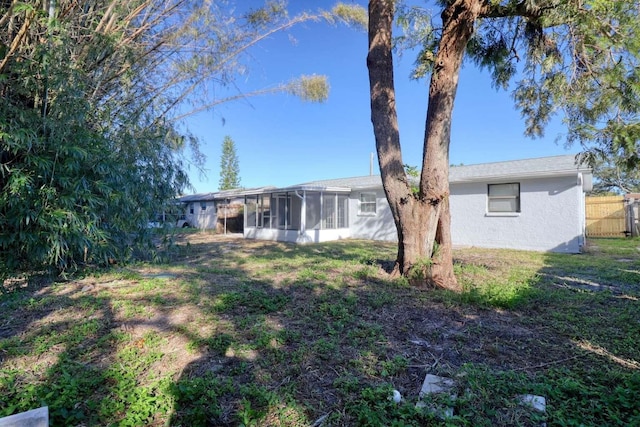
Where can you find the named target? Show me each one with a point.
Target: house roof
(199, 197)
(527, 168)
(353, 183)
(564, 165)
(221, 195)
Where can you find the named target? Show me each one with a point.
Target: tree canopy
(578, 59)
(612, 177)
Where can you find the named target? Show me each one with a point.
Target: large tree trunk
(422, 219)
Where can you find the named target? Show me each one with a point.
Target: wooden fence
(606, 216)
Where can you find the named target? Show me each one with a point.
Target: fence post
(628, 217)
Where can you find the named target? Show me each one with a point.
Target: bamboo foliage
(92, 94)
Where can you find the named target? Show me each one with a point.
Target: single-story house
(533, 204)
(199, 210)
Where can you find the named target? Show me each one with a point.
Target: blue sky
(281, 140)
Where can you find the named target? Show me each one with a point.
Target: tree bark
(422, 220)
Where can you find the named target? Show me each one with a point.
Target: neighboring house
(199, 210)
(534, 204)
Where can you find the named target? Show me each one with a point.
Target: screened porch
(297, 215)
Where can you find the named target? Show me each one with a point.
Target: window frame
(373, 203)
(203, 206)
(517, 198)
(191, 208)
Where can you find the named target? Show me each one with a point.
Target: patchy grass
(233, 332)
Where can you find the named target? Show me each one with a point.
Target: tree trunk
(423, 219)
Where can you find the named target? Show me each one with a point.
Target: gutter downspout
(582, 228)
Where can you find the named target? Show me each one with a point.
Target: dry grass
(235, 332)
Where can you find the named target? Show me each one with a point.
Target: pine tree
(229, 166)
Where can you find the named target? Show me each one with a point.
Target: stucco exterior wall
(551, 217)
(367, 226)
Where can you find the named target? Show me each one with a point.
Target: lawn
(234, 332)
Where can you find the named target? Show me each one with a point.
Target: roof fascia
(530, 175)
(317, 188)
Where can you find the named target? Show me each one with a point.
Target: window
(190, 208)
(203, 206)
(503, 198)
(367, 205)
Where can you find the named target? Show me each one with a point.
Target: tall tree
(229, 166)
(91, 97)
(613, 177)
(579, 57)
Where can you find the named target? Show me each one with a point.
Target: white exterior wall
(372, 227)
(202, 218)
(294, 236)
(551, 217)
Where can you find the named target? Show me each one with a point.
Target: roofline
(206, 197)
(303, 187)
(221, 195)
(579, 168)
(367, 187)
(239, 193)
(518, 160)
(546, 174)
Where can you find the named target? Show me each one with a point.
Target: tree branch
(18, 39)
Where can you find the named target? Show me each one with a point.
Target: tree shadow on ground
(45, 326)
(335, 336)
(265, 333)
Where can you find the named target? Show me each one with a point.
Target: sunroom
(298, 214)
